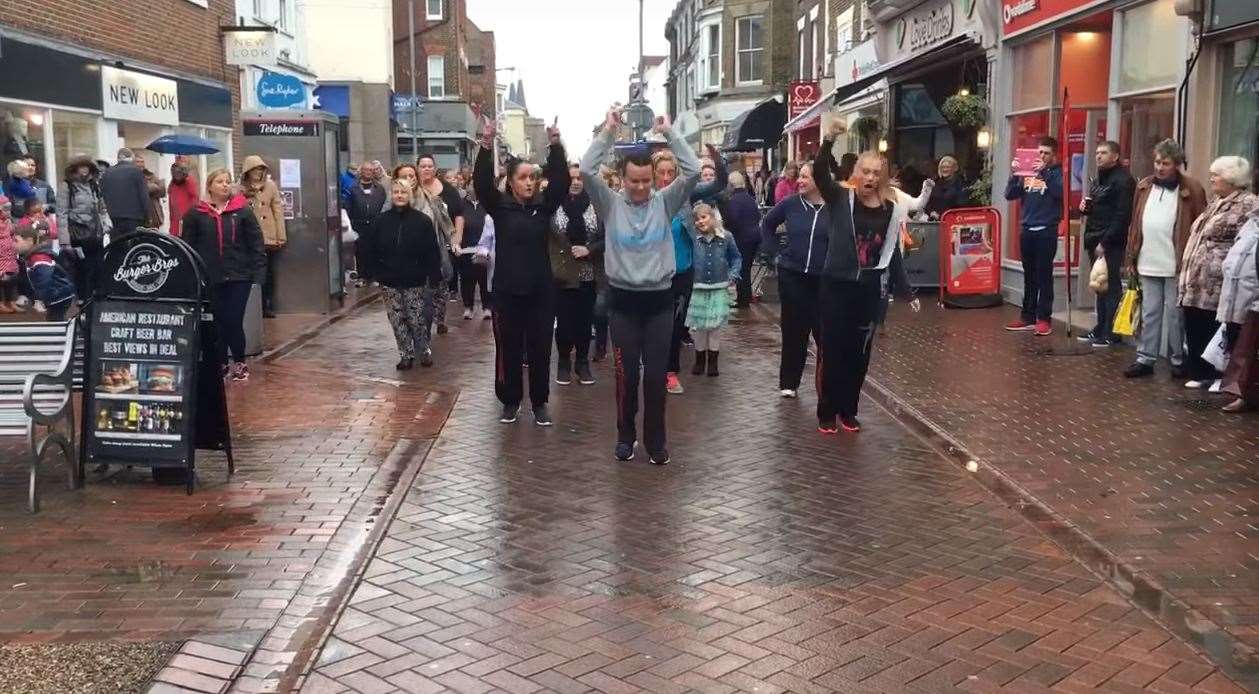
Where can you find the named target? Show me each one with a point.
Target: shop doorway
(137, 136)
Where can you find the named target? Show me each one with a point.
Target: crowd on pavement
(653, 251)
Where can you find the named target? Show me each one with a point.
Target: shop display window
(73, 134)
(1033, 82)
(1148, 60)
(1144, 121)
(221, 159)
(1239, 100)
(21, 135)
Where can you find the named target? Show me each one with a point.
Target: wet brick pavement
(767, 558)
(126, 559)
(1152, 472)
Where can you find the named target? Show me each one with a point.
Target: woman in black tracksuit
(473, 275)
(864, 237)
(524, 291)
(223, 230)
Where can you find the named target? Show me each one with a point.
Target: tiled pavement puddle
(766, 558)
(1153, 472)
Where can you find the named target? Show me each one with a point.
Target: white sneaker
(1196, 385)
(467, 314)
(1215, 387)
(787, 393)
(486, 314)
(40, 308)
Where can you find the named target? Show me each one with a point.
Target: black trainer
(404, 364)
(426, 358)
(584, 376)
(849, 424)
(510, 413)
(661, 458)
(1139, 370)
(541, 416)
(625, 450)
(563, 372)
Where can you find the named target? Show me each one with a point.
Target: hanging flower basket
(965, 110)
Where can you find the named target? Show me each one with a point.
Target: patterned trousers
(437, 300)
(410, 315)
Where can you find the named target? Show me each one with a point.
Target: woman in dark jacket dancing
(400, 252)
(524, 291)
(223, 230)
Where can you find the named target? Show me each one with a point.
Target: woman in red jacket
(223, 230)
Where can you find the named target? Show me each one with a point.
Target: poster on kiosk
(970, 258)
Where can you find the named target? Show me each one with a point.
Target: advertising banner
(970, 260)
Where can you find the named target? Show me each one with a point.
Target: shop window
(73, 134)
(1143, 122)
(433, 10)
(1031, 62)
(1239, 100)
(750, 45)
(1084, 68)
(1149, 59)
(21, 136)
(223, 158)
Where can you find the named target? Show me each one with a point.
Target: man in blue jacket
(1040, 211)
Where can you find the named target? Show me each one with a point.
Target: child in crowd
(50, 283)
(717, 265)
(8, 259)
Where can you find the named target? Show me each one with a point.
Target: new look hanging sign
(136, 96)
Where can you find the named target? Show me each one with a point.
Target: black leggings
(849, 311)
(8, 290)
(574, 312)
(472, 276)
(230, 299)
(683, 285)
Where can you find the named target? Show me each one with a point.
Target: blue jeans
(1038, 248)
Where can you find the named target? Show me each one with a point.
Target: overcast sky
(575, 56)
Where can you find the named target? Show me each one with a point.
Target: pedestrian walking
(524, 291)
(1040, 211)
(864, 236)
(401, 253)
(264, 197)
(640, 264)
(86, 221)
(742, 219)
(1163, 211)
(577, 226)
(126, 194)
(1108, 206)
(806, 222)
(1201, 280)
(434, 187)
(717, 265)
(224, 231)
(182, 194)
(1239, 307)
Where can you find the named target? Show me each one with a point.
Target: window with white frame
(750, 48)
(282, 15)
(437, 77)
(433, 9)
(813, 50)
(800, 51)
(843, 31)
(710, 58)
(260, 10)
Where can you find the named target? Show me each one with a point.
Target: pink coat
(784, 189)
(8, 249)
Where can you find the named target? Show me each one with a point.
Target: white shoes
(787, 393)
(1196, 385)
(1215, 387)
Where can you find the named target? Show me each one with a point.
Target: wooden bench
(41, 365)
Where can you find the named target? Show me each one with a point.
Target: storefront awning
(955, 47)
(810, 116)
(758, 128)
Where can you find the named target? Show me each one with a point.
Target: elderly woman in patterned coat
(1202, 272)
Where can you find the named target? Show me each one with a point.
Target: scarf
(575, 211)
(1170, 184)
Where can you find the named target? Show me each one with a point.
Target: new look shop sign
(280, 91)
(136, 96)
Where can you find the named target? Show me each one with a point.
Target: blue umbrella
(182, 144)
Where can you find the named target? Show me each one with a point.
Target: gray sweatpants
(1159, 312)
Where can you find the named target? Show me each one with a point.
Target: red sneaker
(1044, 328)
(672, 384)
(1019, 326)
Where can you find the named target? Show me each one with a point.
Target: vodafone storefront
(1121, 63)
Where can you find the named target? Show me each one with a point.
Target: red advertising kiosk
(970, 258)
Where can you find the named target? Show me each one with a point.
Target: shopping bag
(1128, 316)
(1099, 276)
(1216, 353)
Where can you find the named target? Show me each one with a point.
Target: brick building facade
(60, 58)
(454, 78)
